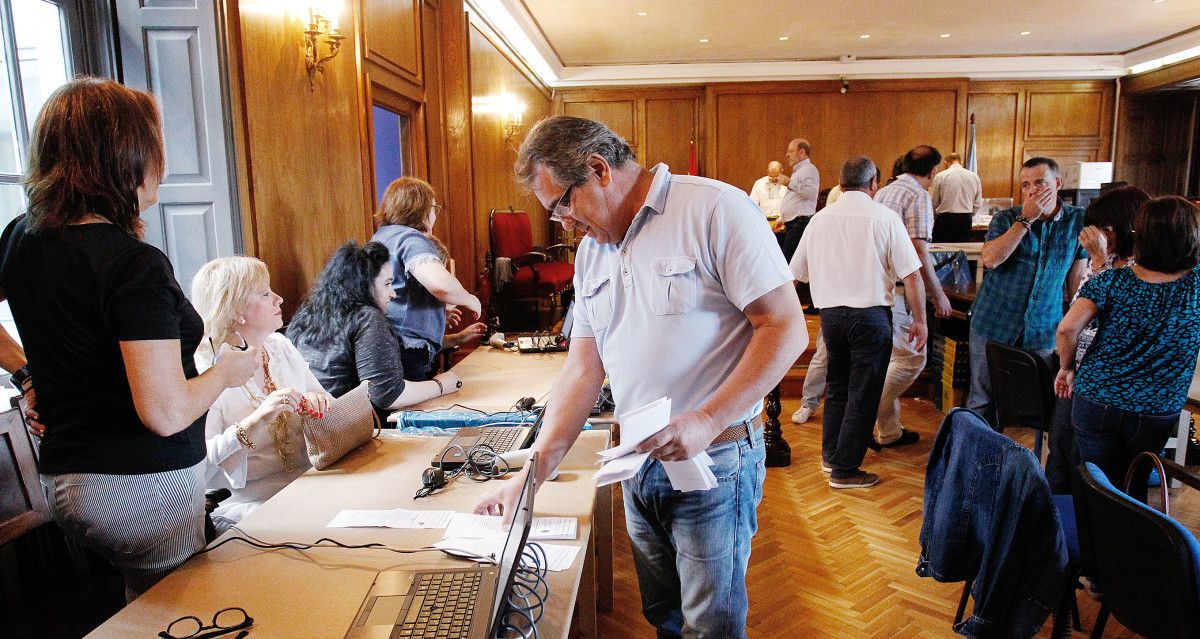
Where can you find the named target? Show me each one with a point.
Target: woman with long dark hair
(343, 334)
(423, 286)
(1133, 380)
(110, 336)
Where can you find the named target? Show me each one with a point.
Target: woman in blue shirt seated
(424, 288)
(1133, 381)
(342, 333)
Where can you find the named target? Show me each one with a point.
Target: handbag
(350, 423)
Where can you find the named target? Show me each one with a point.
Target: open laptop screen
(514, 545)
(568, 321)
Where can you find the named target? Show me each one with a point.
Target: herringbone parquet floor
(834, 564)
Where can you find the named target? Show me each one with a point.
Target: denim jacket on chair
(988, 516)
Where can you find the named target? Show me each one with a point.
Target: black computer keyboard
(500, 439)
(443, 606)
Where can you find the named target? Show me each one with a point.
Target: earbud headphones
(433, 478)
(525, 403)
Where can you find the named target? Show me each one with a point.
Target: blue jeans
(691, 549)
(859, 343)
(418, 364)
(1110, 437)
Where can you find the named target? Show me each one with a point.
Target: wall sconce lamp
(845, 84)
(510, 110)
(322, 26)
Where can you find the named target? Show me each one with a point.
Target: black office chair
(1145, 563)
(1022, 390)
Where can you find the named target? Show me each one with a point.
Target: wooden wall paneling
(1064, 114)
(493, 73)
(671, 124)
(996, 134)
(459, 196)
(1157, 132)
(392, 36)
(302, 148)
(753, 123)
(620, 115)
(433, 118)
(1163, 77)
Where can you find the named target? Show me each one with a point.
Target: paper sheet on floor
(398, 518)
(468, 526)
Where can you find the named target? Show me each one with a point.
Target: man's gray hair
(563, 143)
(858, 172)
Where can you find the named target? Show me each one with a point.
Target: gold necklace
(278, 427)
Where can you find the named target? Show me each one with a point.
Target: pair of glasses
(224, 622)
(437, 208)
(561, 207)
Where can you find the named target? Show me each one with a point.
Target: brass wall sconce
(322, 27)
(511, 122)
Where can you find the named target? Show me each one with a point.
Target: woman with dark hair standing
(1107, 236)
(110, 336)
(1133, 381)
(343, 334)
(423, 285)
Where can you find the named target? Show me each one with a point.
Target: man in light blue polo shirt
(680, 293)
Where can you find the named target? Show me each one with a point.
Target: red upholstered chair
(523, 272)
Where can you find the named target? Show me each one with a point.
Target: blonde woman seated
(344, 335)
(254, 432)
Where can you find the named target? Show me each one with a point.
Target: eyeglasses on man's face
(561, 207)
(223, 622)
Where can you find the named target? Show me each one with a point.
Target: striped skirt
(146, 525)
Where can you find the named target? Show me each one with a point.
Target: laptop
(546, 343)
(442, 602)
(500, 439)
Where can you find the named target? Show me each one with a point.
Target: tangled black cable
(527, 599)
(324, 542)
(481, 463)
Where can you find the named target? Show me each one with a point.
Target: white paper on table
(397, 518)
(621, 468)
(559, 557)
(479, 549)
(639, 425)
(691, 474)
(468, 526)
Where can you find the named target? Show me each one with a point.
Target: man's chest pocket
(676, 285)
(596, 297)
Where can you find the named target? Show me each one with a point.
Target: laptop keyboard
(442, 607)
(499, 438)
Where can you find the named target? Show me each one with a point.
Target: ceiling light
(865, 36)
(642, 13)
(1165, 60)
(783, 38)
(703, 40)
(945, 35)
(1026, 32)
(1159, 1)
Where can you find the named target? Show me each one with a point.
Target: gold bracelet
(242, 436)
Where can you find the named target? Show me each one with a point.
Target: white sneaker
(804, 414)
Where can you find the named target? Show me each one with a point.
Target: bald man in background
(769, 189)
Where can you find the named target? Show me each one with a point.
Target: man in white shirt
(769, 189)
(680, 293)
(956, 194)
(800, 201)
(852, 256)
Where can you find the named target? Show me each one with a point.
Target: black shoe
(906, 437)
(873, 445)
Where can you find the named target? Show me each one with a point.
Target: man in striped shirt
(908, 196)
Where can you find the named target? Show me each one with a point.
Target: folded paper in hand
(623, 462)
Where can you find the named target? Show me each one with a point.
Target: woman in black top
(343, 334)
(110, 336)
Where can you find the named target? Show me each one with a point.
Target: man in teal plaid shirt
(1031, 252)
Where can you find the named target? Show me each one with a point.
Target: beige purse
(350, 423)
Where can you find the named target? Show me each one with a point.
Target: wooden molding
(1162, 77)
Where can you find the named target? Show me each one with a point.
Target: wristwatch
(1027, 223)
(21, 379)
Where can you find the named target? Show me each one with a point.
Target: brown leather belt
(735, 433)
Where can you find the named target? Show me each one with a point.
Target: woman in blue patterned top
(1133, 381)
(424, 287)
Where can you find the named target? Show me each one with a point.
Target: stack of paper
(624, 461)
